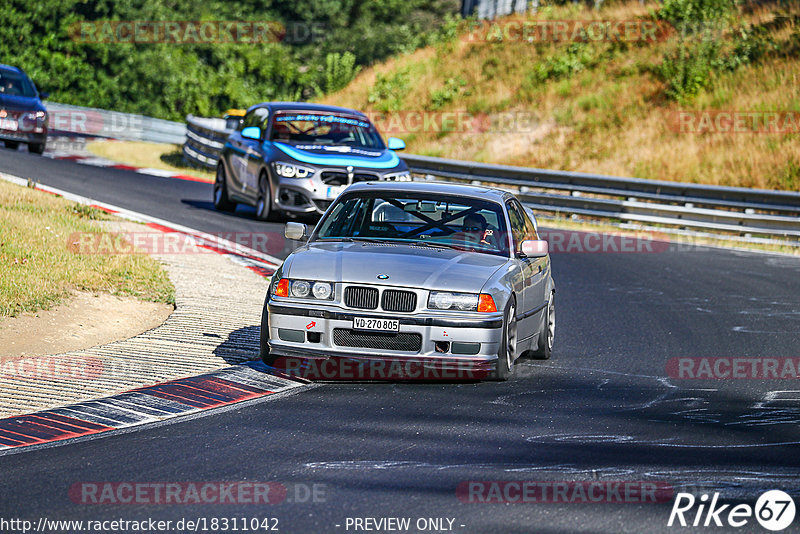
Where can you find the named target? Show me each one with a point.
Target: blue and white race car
(296, 157)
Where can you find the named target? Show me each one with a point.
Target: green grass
(38, 270)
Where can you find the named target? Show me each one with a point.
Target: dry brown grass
(612, 118)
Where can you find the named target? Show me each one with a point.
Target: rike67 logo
(774, 510)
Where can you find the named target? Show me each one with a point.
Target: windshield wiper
(434, 244)
(358, 239)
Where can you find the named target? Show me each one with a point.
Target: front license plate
(8, 124)
(333, 191)
(381, 325)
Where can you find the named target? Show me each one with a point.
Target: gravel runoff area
(215, 325)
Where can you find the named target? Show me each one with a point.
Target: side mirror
(252, 132)
(44, 95)
(533, 248)
(295, 231)
(395, 143)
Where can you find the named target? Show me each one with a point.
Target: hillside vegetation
(82, 51)
(607, 106)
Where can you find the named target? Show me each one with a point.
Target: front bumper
(447, 341)
(23, 136)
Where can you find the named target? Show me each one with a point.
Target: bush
(168, 80)
(389, 91)
(573, 59)
(441, 97)
(340, 69)
(688, 70)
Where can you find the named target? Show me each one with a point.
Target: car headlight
(35, 115)
(322, 290)
(439, 300)
(457, 301)
(404, 176)
(300, 288)
(289, 170)
(303, 289)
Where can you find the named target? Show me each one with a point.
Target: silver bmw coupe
(443, 275)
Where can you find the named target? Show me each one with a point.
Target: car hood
(20, 103)
(341, 155)
(405, 266)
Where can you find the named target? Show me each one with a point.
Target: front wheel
(264, 205)
(266, 357)
(36, 148)
(221, 200)
(13, 145)
(508, 344)
(548, 331)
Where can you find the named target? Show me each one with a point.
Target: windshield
(14, 84)
(324, 129)
(421, 219)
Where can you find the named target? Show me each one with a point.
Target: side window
(257, 117)
(262, 118)
(517, 220)
(247, 120)
(530, 228)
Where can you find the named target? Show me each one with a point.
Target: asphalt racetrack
(610, 410)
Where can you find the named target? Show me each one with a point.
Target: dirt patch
(83, 321)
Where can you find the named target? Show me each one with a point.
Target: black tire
(548, 331)
(266, 357)
(221, 200)
(36, 148)
(13, 145)
(508, 345)
(264, 205)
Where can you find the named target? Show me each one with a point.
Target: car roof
(13, 69)
(306, 106)
(445, 188)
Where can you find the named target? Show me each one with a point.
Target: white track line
(215, 241)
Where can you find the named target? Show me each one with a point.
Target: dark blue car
(291, 157)
(23, 118)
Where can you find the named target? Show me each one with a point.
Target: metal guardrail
(94, 122)
(691, 206)
(204, 140)
(695, 208)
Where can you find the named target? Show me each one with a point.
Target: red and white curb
(257, 261)
(144, 405)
